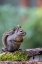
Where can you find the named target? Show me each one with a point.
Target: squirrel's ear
(18, 26)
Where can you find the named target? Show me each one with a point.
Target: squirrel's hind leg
(4, 50)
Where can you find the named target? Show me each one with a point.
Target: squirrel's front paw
(19, 49)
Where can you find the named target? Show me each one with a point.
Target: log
(34, 52)
(20, 62)
(34, 57)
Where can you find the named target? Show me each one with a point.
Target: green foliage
(14, 56)
(10, 17)
(33, 27)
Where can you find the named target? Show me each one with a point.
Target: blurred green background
(29, 18)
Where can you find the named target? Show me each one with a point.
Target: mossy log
(28, 56)
(15, 56)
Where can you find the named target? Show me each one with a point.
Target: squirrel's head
(19, 31)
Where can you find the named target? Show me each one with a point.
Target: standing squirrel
(13, 38)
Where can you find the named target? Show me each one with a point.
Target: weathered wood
(34, 52)
(20, 62)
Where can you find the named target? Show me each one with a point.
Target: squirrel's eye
(20, 30)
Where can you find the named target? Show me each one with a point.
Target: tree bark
(34, 52)
(20, 62)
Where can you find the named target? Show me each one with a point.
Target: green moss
(14, 56)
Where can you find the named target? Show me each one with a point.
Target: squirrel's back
(5, 35)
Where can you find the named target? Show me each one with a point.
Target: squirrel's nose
(25, 33)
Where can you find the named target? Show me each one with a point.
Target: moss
(14, 56)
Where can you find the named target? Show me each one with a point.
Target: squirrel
(12, 39)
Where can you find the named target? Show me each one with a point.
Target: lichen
(16, 56)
